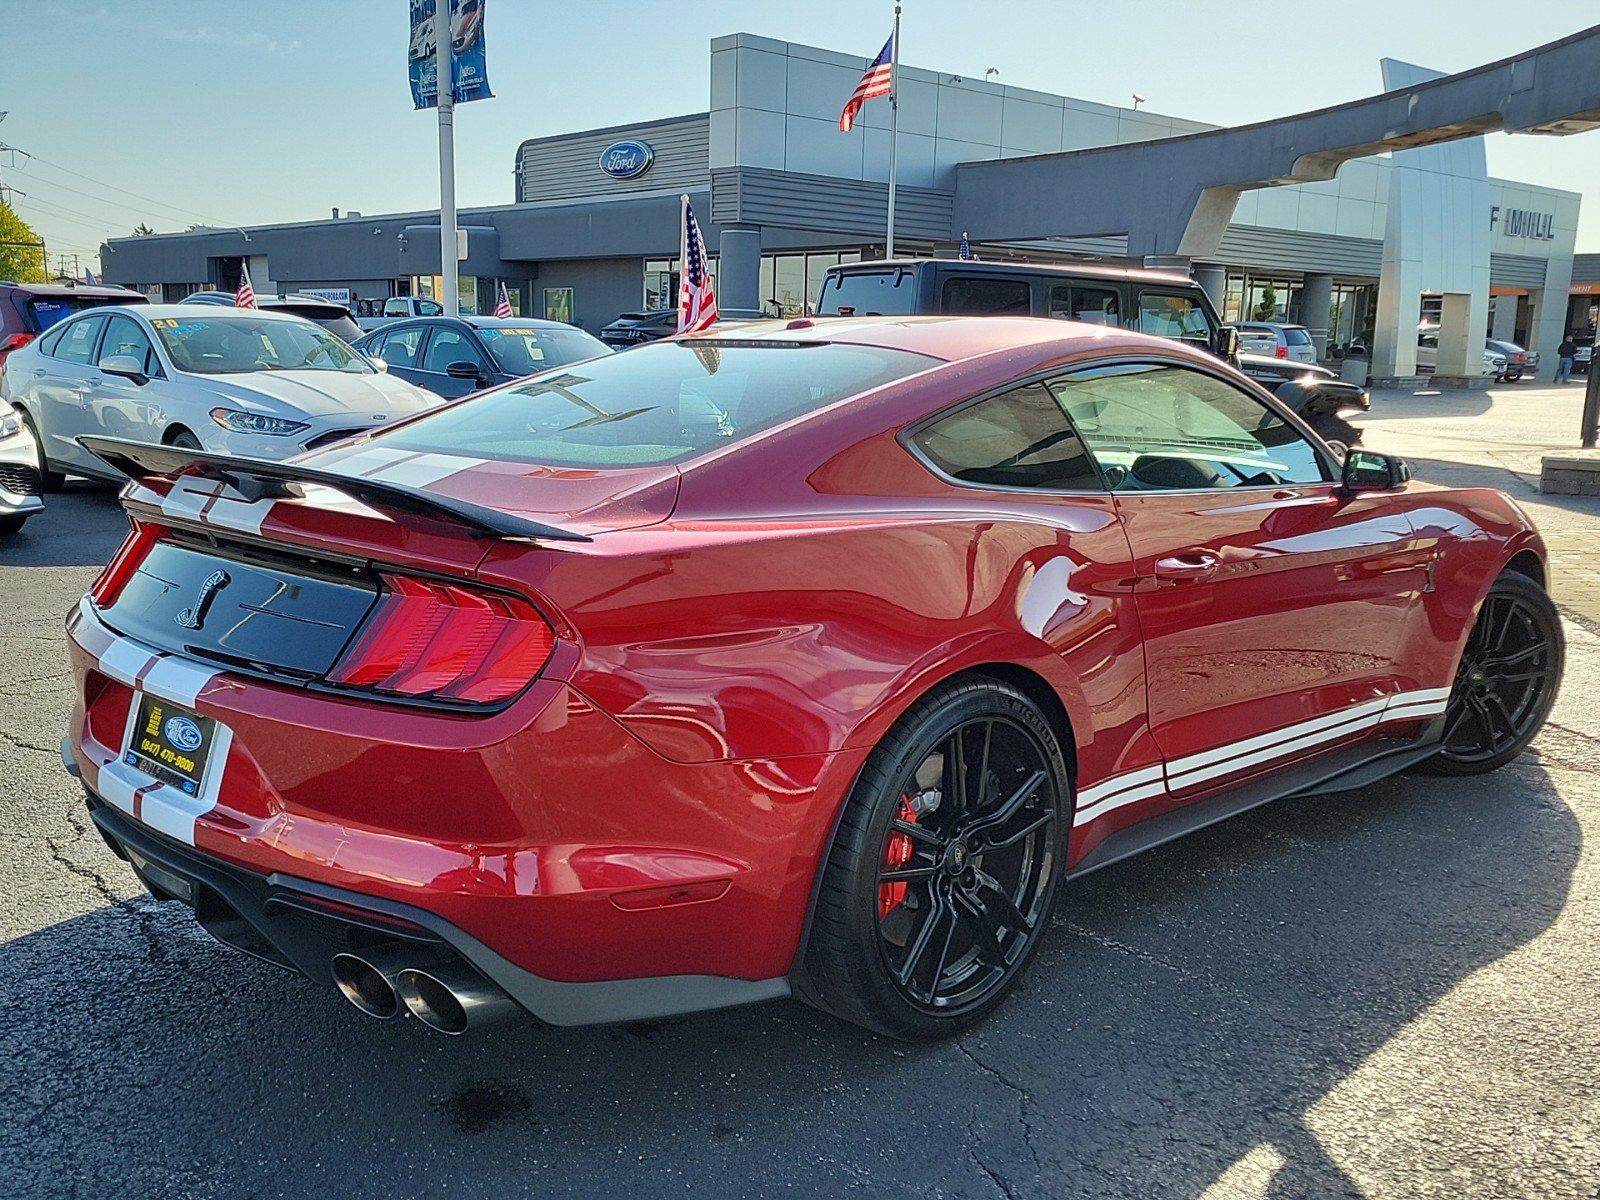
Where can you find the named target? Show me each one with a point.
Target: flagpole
(894, 126)
(444, 86)
(683, 256)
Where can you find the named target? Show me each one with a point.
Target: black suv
(1164, 303)
(28, 309)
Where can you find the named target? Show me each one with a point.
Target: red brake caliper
(896, 854)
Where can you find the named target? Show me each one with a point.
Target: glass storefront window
(661, 281)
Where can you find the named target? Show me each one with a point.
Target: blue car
(455, 356)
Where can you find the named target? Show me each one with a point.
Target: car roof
(97, 291)
(508, 322)
(209, 312)
(1022, 267)
(946, 338)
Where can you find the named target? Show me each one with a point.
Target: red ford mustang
(798, 659)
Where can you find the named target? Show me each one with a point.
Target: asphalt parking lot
(1390, 992)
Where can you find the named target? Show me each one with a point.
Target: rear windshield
(662, 403)
(891, 293)
(1296, 336)
(47, 310)
(527, 350)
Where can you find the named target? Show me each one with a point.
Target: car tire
(49, 480)
(1513, 376)
(972, 925)
(184, 440)
(1501, 697)
(13, 523)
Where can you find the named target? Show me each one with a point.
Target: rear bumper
(301, 924)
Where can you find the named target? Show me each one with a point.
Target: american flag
(878, 81)
(697, 297)
(966, 246)
(245, 297)
(502, 305)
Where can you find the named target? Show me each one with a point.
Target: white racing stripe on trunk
(423, 470)
(166, 808)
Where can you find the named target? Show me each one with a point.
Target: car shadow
(1439, 403)
(80, 526)
(1188, 1006)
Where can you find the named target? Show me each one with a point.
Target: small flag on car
(88, 278)
(697, 297)
(245, 297)
(966, 247)
(502, 305)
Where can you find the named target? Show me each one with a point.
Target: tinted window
(1167, 315)
(1157, 428)
(868, 293)
(123, 336)
(77, 343)
(987, 297)
(48, 310)
(399, 347)
(1296, 336)
(1017, 439)
(233, 345)
(662, 403)
(1097, 306)
(529, 349)
(449, 346)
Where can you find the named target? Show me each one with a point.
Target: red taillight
(1283, 352)
(124, 563)
(440, 641)
(15, 342)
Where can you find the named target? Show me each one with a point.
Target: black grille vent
(19, 480)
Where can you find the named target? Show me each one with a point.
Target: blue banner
(469, 78)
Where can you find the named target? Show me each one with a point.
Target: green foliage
(23, 263)
(142, 230)
(1267, 309)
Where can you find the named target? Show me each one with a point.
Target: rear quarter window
(977, 296)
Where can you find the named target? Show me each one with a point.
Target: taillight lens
(440, 641)
(133, 551)
(1283, 352)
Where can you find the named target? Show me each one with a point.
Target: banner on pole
(469, 75)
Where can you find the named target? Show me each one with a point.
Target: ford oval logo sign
(625, 160)
(184, 734)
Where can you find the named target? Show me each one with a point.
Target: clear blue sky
(238, 112)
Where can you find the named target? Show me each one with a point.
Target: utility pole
(1589, 430)
(445, 86)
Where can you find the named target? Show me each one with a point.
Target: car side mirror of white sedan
(125, 365)
(378, 365)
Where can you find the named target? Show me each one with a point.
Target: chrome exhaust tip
(366, 985)
(452, 998)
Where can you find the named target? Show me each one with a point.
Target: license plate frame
(170, 743)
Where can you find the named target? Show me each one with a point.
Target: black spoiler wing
(259, 479)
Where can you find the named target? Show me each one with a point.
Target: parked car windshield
(527, 350)
(662, 403)
(232, 345)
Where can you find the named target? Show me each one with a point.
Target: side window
(1018, 439)
(399, 348)
(47, 344)
(1174, 316)
(449, 346)
(1157, 427)
(976, 296)
(1096, 306)
(77, 343)
(427, 308)
(123, 336)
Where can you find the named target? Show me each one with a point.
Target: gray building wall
(567, 166)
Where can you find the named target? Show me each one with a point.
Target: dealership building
(1389, 243)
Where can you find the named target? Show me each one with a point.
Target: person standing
(1564, 356)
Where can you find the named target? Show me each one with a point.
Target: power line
(56, 213)
(114, 187)
(139, 210)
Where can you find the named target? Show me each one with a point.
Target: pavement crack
(1025, 1107)
(24, 744)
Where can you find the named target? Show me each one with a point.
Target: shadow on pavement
(1188, 1005)
(1433, 405)
(81, 526)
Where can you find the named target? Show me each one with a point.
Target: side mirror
(1370, 471)
(125, 365)
(378, 365)
(464, 370)
(1227, 342)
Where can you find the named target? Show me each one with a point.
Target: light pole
(1589, 429)
(445, 87)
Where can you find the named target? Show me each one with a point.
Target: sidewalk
(1495, 439)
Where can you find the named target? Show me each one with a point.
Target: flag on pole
(88, 278)
(502, 305)
(245, 297)
(697, 297)
(966, 247)
(877, 81)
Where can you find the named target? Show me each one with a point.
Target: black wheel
(49, 481)
(1506, 682)
(12, 524)
(940, 881)
(1333, 429)
(1513, 376)
(184, 440)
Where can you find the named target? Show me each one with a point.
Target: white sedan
(233, 381)
(19, 475)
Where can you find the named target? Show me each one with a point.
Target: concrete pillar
(1548, 324)
(1503, 320)
(1462, 318)
(739, 271)
(1394, 333)
(1215, 282)
(1316, 305)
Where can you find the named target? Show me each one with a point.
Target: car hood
(322, 394)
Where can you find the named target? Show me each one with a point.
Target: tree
(142, 230)
(1267, 309)
(21, 258)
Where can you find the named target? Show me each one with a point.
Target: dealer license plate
(171, 744)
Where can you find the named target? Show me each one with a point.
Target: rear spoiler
(258, 479)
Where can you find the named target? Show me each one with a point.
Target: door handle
(1190, 565)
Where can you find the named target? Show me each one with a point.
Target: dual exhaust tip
(446, 996)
